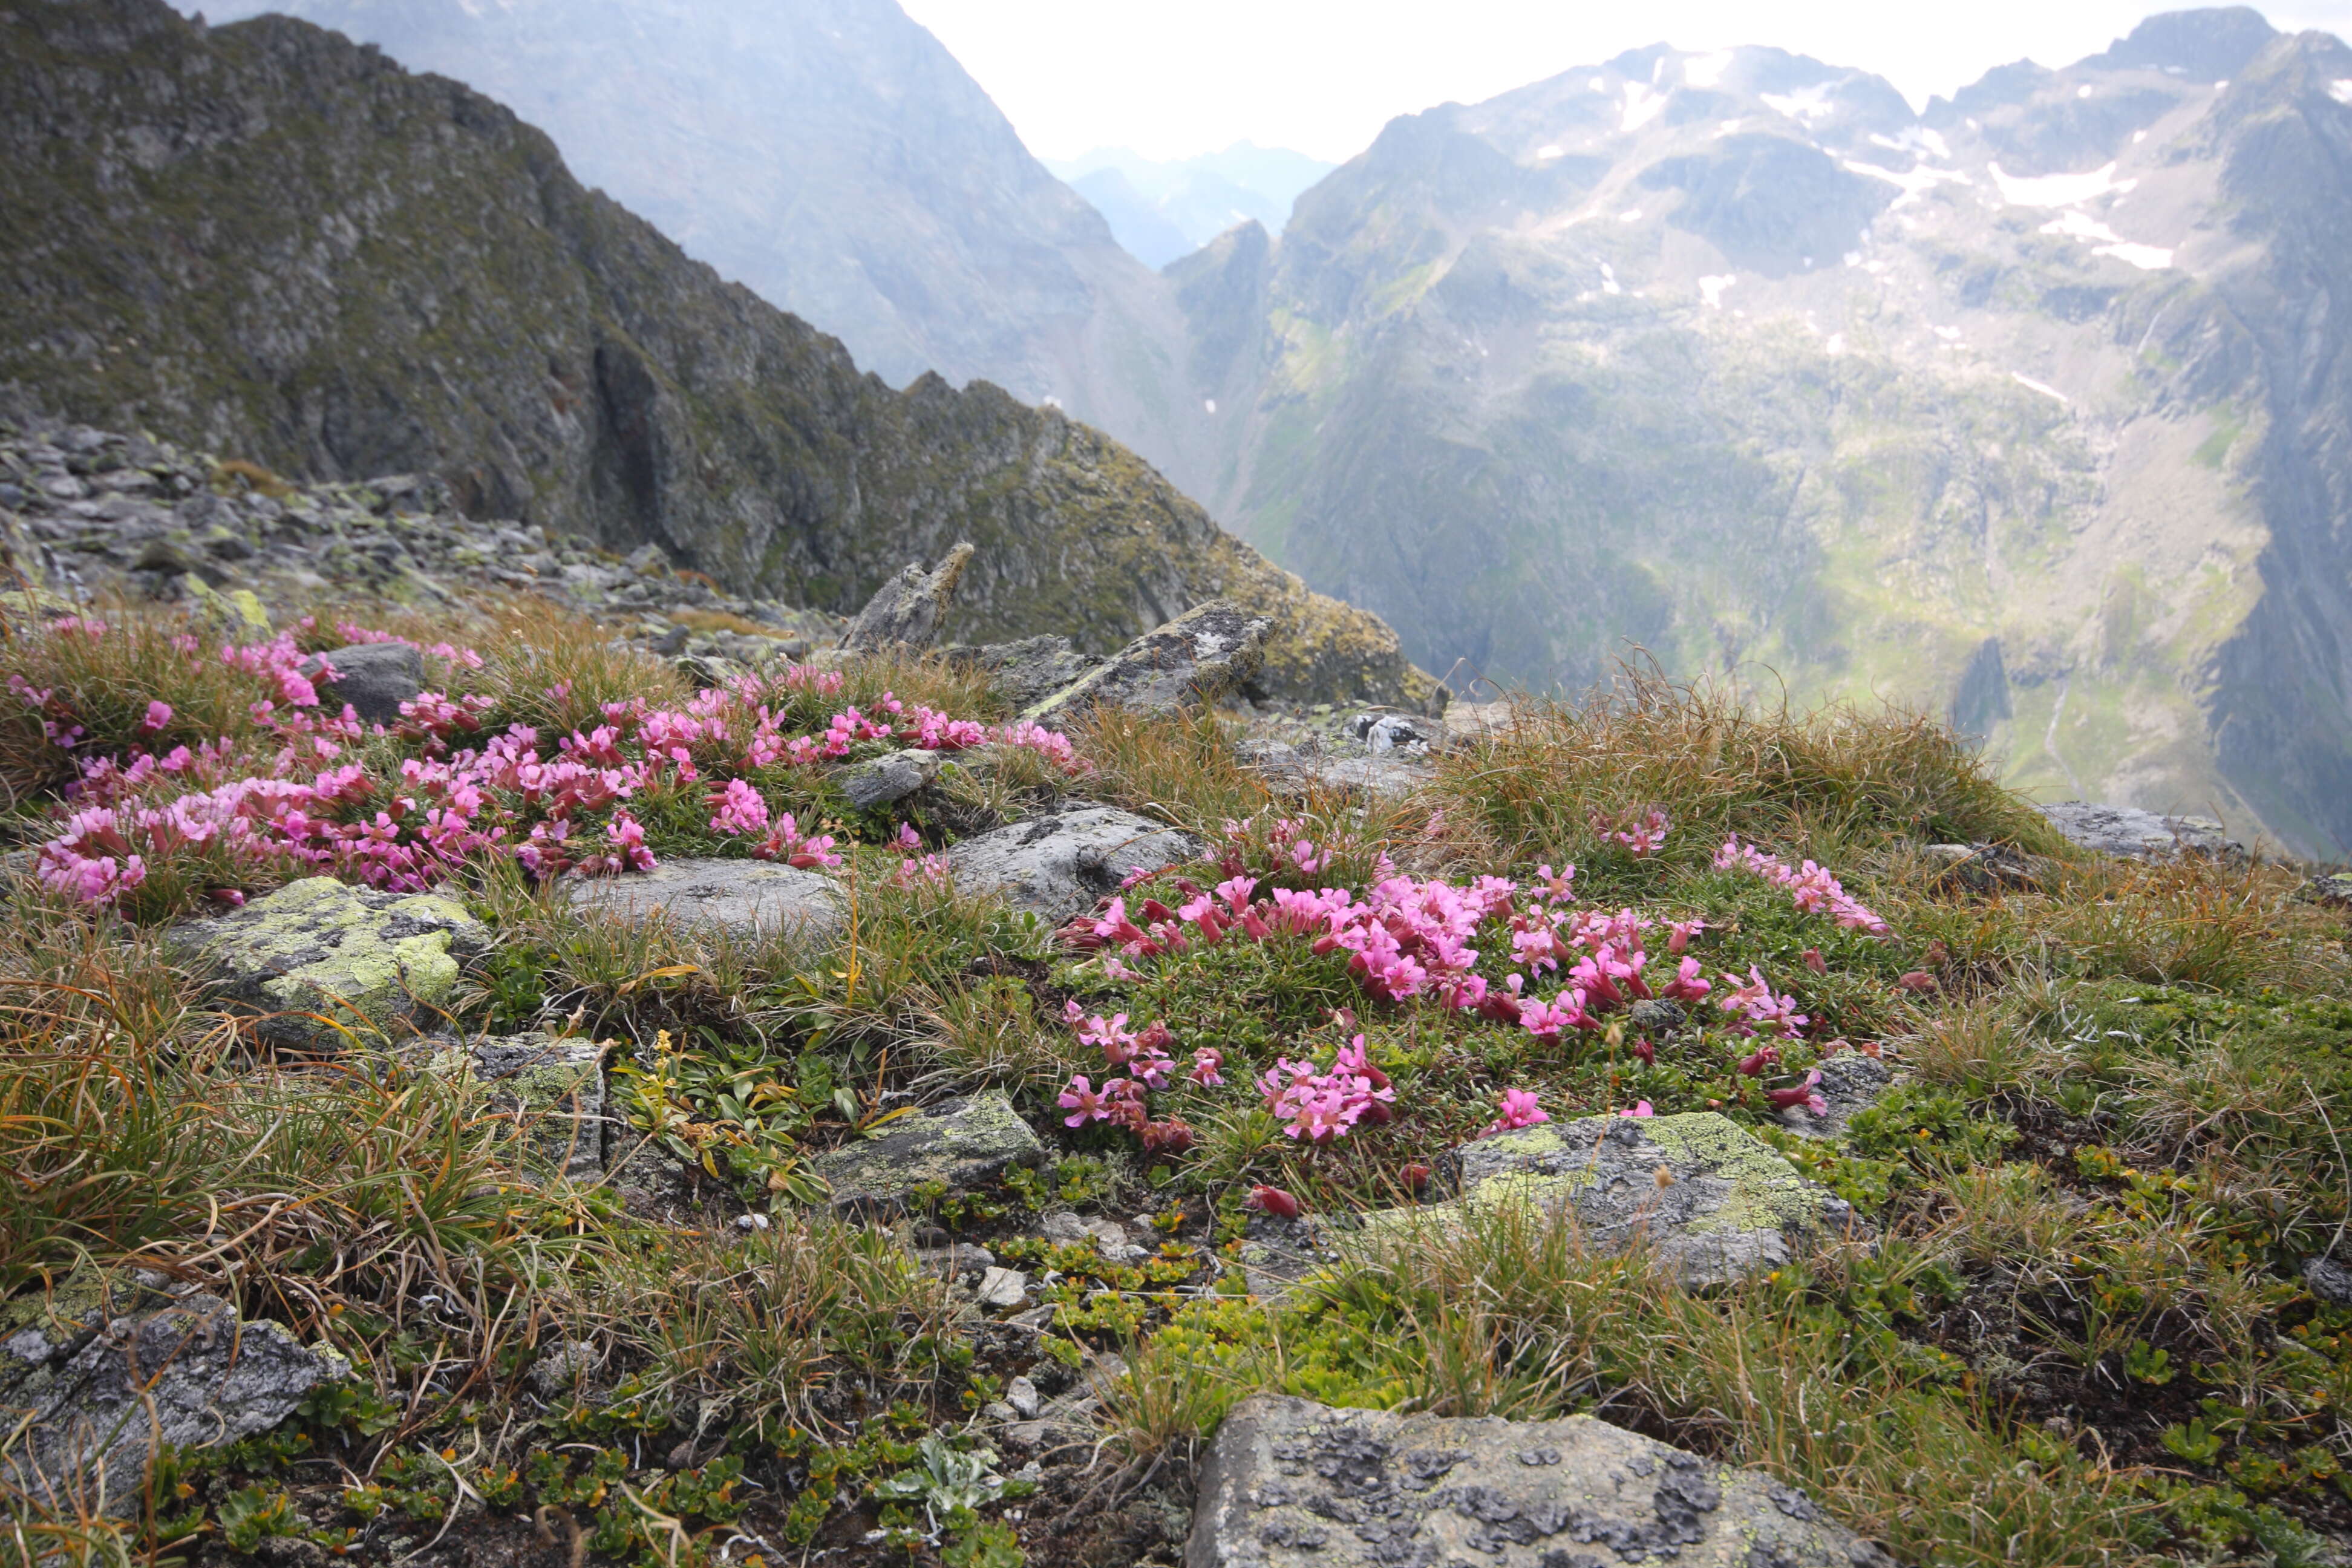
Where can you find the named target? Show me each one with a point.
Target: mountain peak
(2208, 45)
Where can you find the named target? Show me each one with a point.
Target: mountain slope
(1163, 210)
(2030, 408)
(271, 242)
(833, 157)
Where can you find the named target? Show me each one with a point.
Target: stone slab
(1059, 865)
(2137, 835)
(745, 897)
(1290, 1483)
(1198, 656)
(964, 1143)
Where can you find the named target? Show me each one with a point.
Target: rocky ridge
(266, 241)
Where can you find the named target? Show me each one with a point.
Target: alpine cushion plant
(150, 820)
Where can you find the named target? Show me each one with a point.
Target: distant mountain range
(1163, 210)
(2033, 407)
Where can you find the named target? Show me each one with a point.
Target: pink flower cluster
(1756, 1010)
(1147, 1057)
(1810, 887)
(1520, 1109)
(1645, 837)
(1319, 1105)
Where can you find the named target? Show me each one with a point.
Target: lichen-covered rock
(320, 964)
(2134, 834)
(1712, 1201)
(908, 610)
(104, 1369)
(880, 781)
(961, 1142)
(374, 678)
(1059, 865)
(2334, 891)
(554, 1089)
(1026, 673)
(1851, 1082)
(1290, 1483)
(1201, 656)
(748, 898)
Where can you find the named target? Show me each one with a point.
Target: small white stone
(1003, 1288)
(1022, 1396)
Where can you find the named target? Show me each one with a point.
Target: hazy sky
(1171, 78)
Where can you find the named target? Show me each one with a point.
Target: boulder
(2134, 834)
(1851, 1082)
(554, 1089)
(374, 678)
(960, 1143)
(747, 898)
(1026, 673)
(1289, 1482)
(2334, 889)
(104, 1369)
(323, 965)
(881, 781)
(908, 610)
(1201, 656)
(1059, 865)
(2329, 1280)
(1711, 1200)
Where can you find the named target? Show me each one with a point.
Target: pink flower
(1208, 1068)
(1520, 1109)
(1641, 1108)
(739, 808)
(158, 715)
(1087, 1104)
(1680, 933)
(1273, 1201)
(1806, 1094)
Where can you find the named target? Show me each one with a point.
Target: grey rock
(1656, 1016)
(2329, 1280)
(882, 781)
(1987, 868)
(2335, 889)
(2138, 835)
(319, 964)
(101, 1372)
(1289, 1482)
(908, 610)
(1384, 732)
(1851, 1082)
(1059, 865)
(1392, 775)
(1712, 1201)
(559, 1370)
(955, 1259)
(1201, 656)
(961, 1143)
(552, 1089)
(744, 898)
(374, 678)
(1026, 673)
(1022, 1395)
(1003, 1288)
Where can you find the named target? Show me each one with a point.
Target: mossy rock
(323, 965)
(552, 1089)
(1711, 1200)
(960, 1143)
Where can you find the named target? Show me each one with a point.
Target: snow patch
(1599, 84)
(1807, 103)
(1631, 215)
(1950, 334)
(1711, 289)
(1609, 280)
(2341, 89)
(2147, 257)
(1049, 401)
(1917, 141)
(1553, 150)
(2044, 387)
(1917, 181)
(2057, 190)
(2139, 137)
(1836, 345)
(1641, 106)
(1707, 70)
(2082, 226)
(2082, 92)
(1728, 128)
(1209, 405)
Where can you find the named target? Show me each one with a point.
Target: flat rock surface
(204, 1378)
(747, 898)
(1197, 658)
(1059, 865)
(375, 963)
(2138, 835)
(894, 777)
(960, 1143)
(1028, 671)
(1290, 1483)
(1851, 1082)
(1726, 1203)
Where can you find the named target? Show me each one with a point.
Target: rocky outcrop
(1059, 865)
(908, 610)
(552, 1090)
(387, 273)
(371, 678)
(1209, 652)
(1290, 1483)
(2137, 835)
(97, 1375)
(323, 965)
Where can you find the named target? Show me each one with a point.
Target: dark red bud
(1273, 1201)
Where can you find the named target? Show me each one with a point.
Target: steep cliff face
(277, 244)
(2031, 408)
(833, 157)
